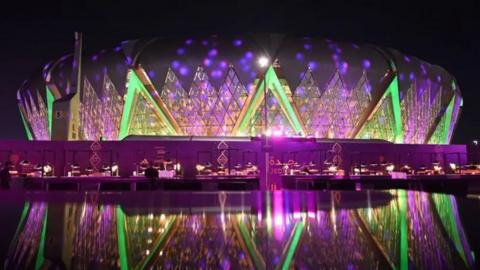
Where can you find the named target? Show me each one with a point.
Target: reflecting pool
(238, 230)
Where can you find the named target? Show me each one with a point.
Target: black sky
(444, 33)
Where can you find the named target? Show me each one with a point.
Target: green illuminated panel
(50, 100)
(281, 114)
(440, 135)
(386, 122)
(141, 114)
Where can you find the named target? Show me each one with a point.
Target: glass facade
(211, 87)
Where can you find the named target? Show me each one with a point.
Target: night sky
(446, 34)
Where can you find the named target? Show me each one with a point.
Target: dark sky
(441, 32)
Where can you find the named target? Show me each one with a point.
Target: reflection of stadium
(213, 86)
(292, 230)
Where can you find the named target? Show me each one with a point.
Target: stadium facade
(214, 86)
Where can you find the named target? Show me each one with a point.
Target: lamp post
(263, 64)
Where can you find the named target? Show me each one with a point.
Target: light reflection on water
(279, 230)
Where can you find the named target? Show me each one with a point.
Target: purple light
(189, 41)
(312, 65)
(344, 68)
(401, 76)
(212, 52)
(299, 56)
(183, 71)
(118, 48)
(334, 57)
(439, 79)
(307, 46)
(207, 62)
(223, 64)
(355, 46)
(204, 42)
(406, 58)
(180, 51)
(151, 74)
(216, 73)
(94, 57)
(249, 55)
(129, 60)
(366, 64)
(411, 76)
(237, 43)
(175, 64)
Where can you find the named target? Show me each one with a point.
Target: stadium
(241, 86)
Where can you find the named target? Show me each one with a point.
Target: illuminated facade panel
(215, 87)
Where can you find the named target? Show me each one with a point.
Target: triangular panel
(90, 113)
(281, 115)
(202, 99)
(232, 97)
(175, 98)
(418, 112)
(382, 124)
(112, 104)
(141, 114)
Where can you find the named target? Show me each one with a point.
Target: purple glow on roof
(223, 64)
(117, 49)
(216, 73)
(312, 65)
(439, 78)
(424, 70)
(204, 42)
(180, 51)
(175, 64)
(248, 55)
(212, 52)
(307, 46)
(335, 57)
(401, 76)
(338, 50)
(368, 88)
(94, 57)
(207, 62)
(243, 61)
(366, 64)
(129, 60)
(343, 68)
(189, 41)
(299, 56)
(406, 58)
(183, 71)
(237, 42)
(411, 76)
(151, 74)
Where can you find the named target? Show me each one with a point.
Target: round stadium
(241, 86)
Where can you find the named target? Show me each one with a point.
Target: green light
(122, 249)
(448, 120)
(25, 125)
(444, 207)
(251, 249)
(277, 89)
(134, 84)
(249, 114)
(397, 113)
(41, 248)
(158, 244)
(402, 208)
(50, 100)
(293, 245)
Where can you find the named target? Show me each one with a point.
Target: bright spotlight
(263, 61)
